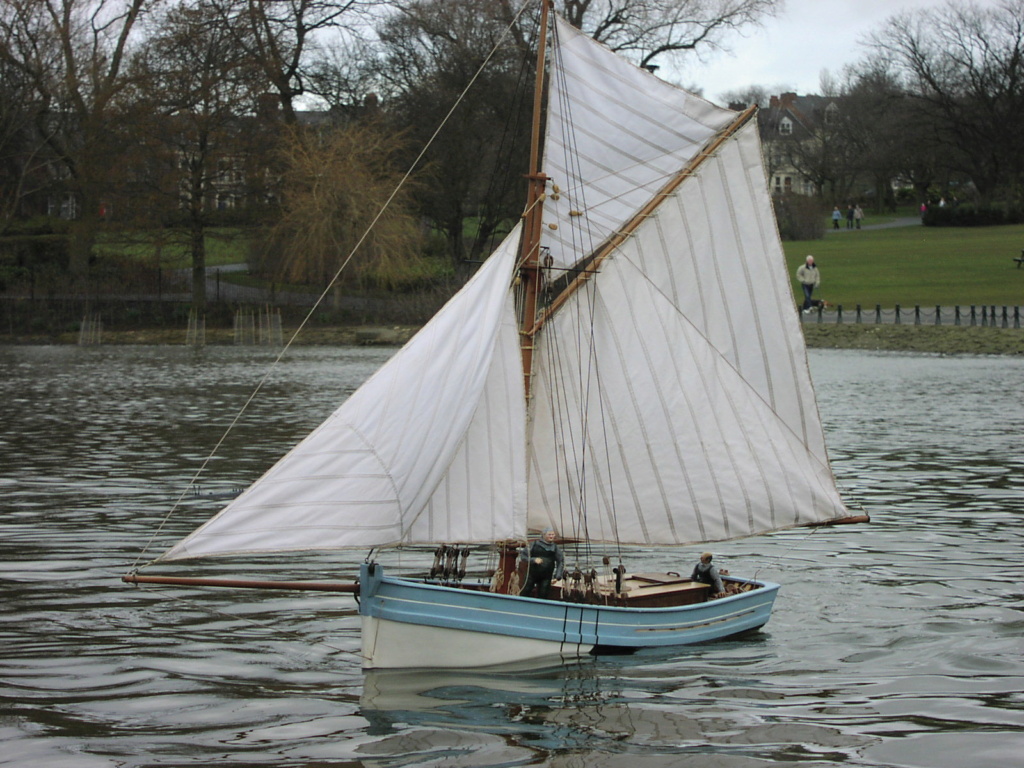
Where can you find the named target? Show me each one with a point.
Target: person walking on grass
(810, 278)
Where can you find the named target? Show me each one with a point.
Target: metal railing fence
(984, 315)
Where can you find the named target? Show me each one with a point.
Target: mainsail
(671, 403)
(685, 404)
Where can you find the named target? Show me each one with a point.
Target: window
(785, 126)
(782, 184)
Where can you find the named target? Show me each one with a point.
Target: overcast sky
(793, 49)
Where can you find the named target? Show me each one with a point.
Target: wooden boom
(190, 581)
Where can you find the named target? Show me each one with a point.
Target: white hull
(397, 645)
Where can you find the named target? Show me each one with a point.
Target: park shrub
(30, 248)
(37, 225)
(33, 251)
(798, 217)
(972, 215)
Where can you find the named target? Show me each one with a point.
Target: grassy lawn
(224, 245)
(916, 265)
(909, 266)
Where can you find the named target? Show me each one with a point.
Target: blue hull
(421, 616)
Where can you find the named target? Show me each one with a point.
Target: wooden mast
(529, 248)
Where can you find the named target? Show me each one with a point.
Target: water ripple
(893, 644)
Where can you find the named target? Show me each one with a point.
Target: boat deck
(655, 590)
(638, 590)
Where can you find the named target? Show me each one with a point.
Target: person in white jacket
(810, 278)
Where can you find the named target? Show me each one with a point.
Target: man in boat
(706, 573)
(544, 562)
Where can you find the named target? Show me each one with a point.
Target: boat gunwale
(760, 588)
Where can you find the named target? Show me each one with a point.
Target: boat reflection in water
(563, 705)
(413, 690)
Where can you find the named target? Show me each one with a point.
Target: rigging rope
(577, 456)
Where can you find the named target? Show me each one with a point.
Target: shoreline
(933, 339)
(942, 340)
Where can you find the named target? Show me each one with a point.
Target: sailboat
(627, 368)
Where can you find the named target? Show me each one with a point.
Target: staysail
(436, 435)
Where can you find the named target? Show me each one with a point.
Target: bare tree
(282, 37)
(876, 122)
(345, 78)
(963, 66)
(197, 90)
(73, 53)
(433, 51)
(22, 165)
(826, 156)
(753, 94)
(649, 28)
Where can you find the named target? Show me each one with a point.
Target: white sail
(693, 418)
(438, 429)
(614, 133)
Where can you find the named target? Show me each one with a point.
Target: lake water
(898, 643)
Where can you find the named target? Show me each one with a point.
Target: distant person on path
(810, 278)
(858, 215)
(849, 216)
(837, 216)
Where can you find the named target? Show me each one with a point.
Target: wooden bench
(1019, 259)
